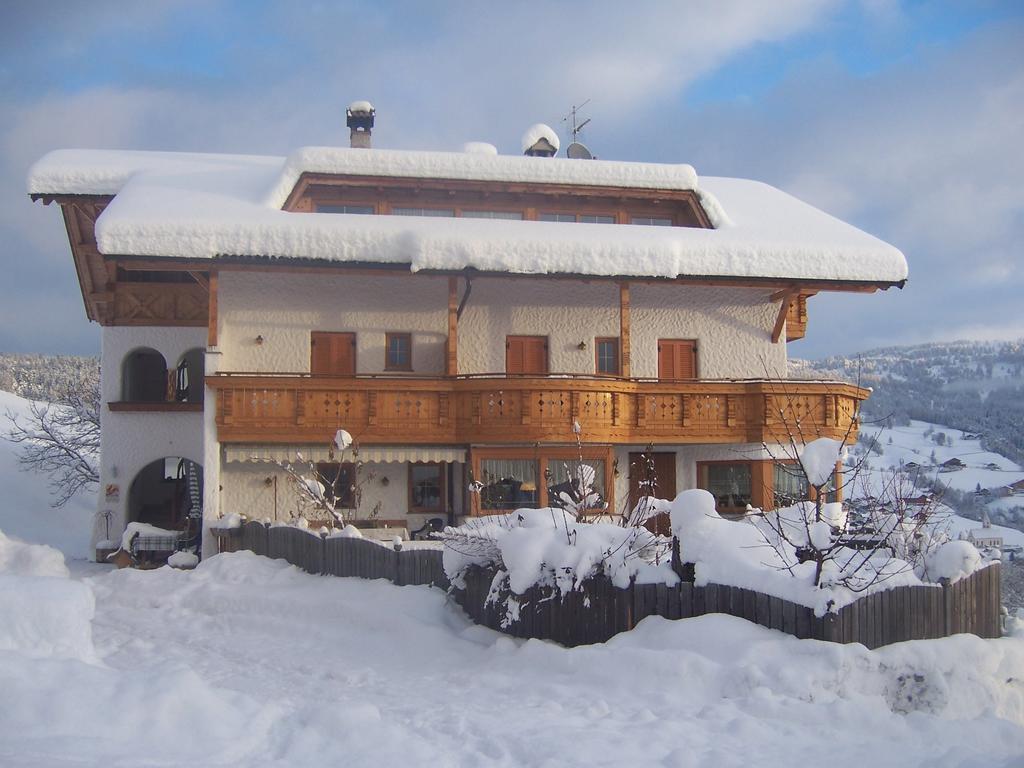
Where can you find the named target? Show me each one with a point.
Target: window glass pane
(557, 217)
(586, 219)
(570, 476)
(729, 484)
(440, 212)
(399, 351)
(608, 356)
(652, 221)
(339, 480)
(790, 485)
(516, 215)
(508, 483)
(425, 481)
(344, 209)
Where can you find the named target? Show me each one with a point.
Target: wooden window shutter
(332, 353)
(526, 354)
(677, 359)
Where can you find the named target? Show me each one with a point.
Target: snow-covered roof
(201, 206)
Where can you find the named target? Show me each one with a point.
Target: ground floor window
(340, 483)
(511, 478)
(508, 484)
(426, 488)
(790, 485)
(730, 483)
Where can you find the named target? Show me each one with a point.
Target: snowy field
(250, 662)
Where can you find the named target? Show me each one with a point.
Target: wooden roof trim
(228, 263)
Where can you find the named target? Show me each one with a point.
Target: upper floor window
(651, 221)
(481, 214)
(364, 209)
(606, 352)
(677, 359)
(437, 212)
(398, 355)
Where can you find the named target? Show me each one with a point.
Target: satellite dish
(577, 151)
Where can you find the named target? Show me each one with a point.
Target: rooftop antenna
(576, 150)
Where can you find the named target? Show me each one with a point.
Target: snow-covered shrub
(545, 547)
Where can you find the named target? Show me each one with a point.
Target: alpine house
(477, 322)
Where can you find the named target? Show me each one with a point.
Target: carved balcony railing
(281, 408)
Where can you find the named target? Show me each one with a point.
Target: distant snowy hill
(25, 511)
(974, 386)
(44, 377)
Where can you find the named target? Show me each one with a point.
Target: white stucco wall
(285, 308)
(731, 325)
(131, 440)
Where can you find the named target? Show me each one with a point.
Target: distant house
(1017, 488)
(911, 466)
(993, 466)
(952, 465)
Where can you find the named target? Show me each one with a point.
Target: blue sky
(903, 118)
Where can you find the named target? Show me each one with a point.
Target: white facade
(130, 440)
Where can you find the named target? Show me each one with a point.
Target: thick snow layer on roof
(539, 131)
(201, 206)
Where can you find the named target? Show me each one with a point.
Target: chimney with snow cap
(540, 141)
(360, 116)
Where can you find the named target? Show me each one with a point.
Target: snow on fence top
(201, 206)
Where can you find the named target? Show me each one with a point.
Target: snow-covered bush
(545, 547)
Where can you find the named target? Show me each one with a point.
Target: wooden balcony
(302, 408)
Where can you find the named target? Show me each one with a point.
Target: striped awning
(376, 454)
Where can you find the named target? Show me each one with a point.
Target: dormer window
(437, 212)
(362, 209)
(651, 221)
(510, 215)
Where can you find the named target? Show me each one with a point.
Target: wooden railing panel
(503, 410)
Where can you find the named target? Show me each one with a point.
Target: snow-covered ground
(248, 661)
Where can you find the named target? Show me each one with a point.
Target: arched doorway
(144, 377)
(168, 493)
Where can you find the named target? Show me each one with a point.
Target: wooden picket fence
(598, 610)
(338, 556)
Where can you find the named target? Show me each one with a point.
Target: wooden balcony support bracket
(211, 334)
(787, 297)
(200, 278)
(452, 358)
(624, 350)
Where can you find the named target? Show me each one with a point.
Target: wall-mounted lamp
(384, 481)
(259, 339)
(581, 346)
(268, 481)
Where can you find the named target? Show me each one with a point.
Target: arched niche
(144, 377)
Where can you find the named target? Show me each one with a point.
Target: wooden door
(677, 359)
(526, 354)
(653, 474)
(332, 353)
